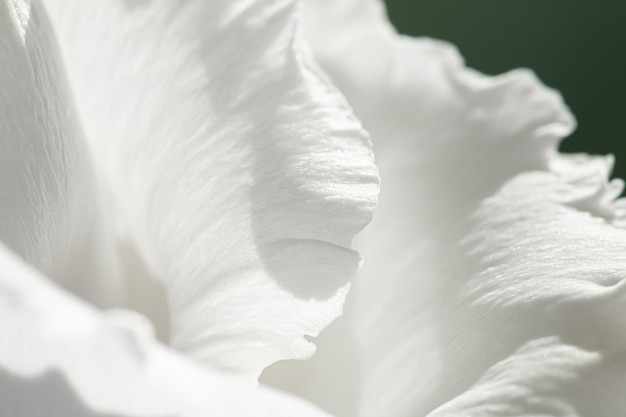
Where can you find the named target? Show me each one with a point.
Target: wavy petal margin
(495, 265)
(240, 171)
(60, 357)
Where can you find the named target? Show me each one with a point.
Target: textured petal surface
(48, 209)
(493, 261)
(60, 357)
(239, 169)
(546, 377)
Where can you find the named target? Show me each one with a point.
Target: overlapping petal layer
(48, 197)
(493, 260)
(238, 168)
(60, 357)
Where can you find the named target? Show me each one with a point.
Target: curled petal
(486, 238)
(239, 170)
(60, 357)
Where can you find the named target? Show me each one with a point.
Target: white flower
(228, 180)
(494, 268)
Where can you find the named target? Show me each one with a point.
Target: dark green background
(575, 46)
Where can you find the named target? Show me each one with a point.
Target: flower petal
(240, 170)
(48, 205)
(60, 357)
(546, 377)
(331, 379)
(486, 239)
